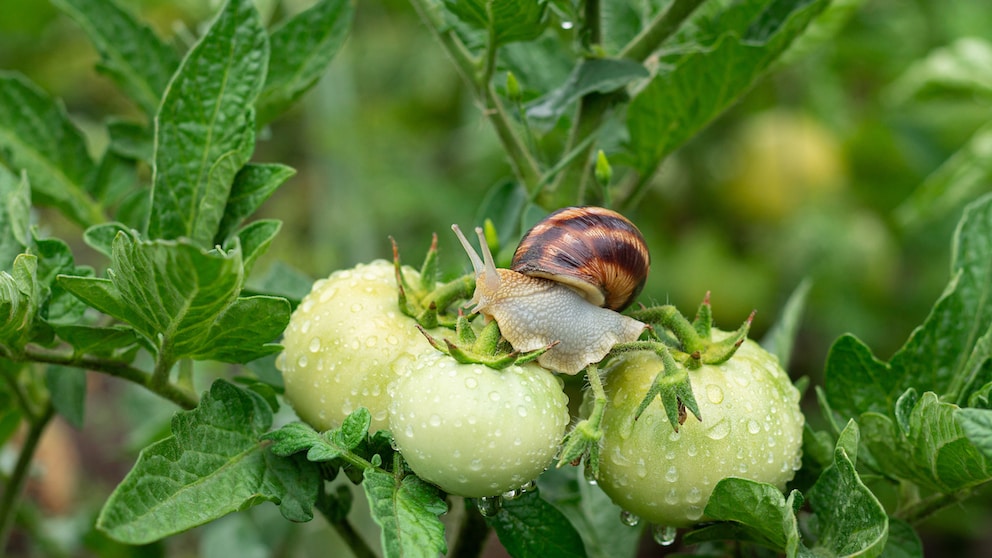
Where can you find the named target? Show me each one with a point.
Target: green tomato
(345, 343)
(475, 431)
(752, 428)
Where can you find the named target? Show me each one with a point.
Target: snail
(570, 277)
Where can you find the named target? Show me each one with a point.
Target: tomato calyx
(488, 347)
(425, 300)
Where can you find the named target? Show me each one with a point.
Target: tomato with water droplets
(751, 428)
(345, 343)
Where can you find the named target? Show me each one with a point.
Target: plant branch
(571, 186)
(523, 162)
(15, 485)
(178, 395)
(23, 400)
(924, 509)
(351, 537)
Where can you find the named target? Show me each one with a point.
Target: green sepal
(672, 385)
(721, 351)
(703, 322)
(582, 441)
(488, 347)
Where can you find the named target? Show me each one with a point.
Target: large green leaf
(213, 464)
(131, 54)
(703, 78)
(930, 446)
(37, 136)
(204, 130)
(184, 300)
(302, 47)
(407, 509)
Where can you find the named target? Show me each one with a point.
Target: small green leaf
(407, 509)
(19, 296)
(701, 80)
(781, 337)
(253, 184)
(302, 47)
(856, 381)
(212, 465)
(600, 75)
(528, 526)
(101, 237)
(204, 130)
(851, 521)
(244, 330)
(130, 53)
(36, 136)
(255, 240)
(760, 511)
(977, 426)
(506, 21)
(903, 541)
(67, 387)
(297, 436)
(15, 216)
(282, 280)
(99, 341)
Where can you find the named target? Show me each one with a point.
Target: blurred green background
(802, 178)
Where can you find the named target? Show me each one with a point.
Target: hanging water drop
(531, 486)
(489, 506)
(664, 534)
(512, 494)
(629, 519)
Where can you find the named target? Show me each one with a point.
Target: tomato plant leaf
(212, 465)
(962, 69)
(204, 130)
(241, 333)
(529, 526)
(131, 54)
(700, 80)
(858, 382)
(601, 75)
(131, 140)
(296, 437)
(302, 47)
(977, 426)
(100, 341)
(591, 512)
(936, 452)
(19, 294)
(253, 184)
(255, 239)
(760, 511)
(902, 542)
(407, 510)
(36, 136)
(15, 216)
(851, 521)
(506, 21)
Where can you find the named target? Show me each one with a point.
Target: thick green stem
(663, 26)
(599, 396)
(15, 485)
(178, 395)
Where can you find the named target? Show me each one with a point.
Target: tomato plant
(157, 271)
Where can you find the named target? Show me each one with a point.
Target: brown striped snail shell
(594, 250)
(571, 273)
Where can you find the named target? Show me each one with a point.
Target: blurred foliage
(800, 179)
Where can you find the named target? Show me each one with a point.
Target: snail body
(571, 274)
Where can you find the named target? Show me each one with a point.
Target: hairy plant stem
(15, 484)
(570, 187)
(183, 397)
(523, 162)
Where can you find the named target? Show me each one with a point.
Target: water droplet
(494, 396)
(371, 341)
(471, 383)
(314, 344)
(664, 534)
(302, 361)
(753, 427)
(475, 465)
(531, 486)
(694, 496)
(356, 308)
(719, 430)
(522, 411)
(672, 474)
(714, 394)
(566, 25)
(629, 519)
(489, 506)
(435, 420)
(512, 494)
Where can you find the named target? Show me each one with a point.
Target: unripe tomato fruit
(752, 428)
(475, 431)
(345, 343)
